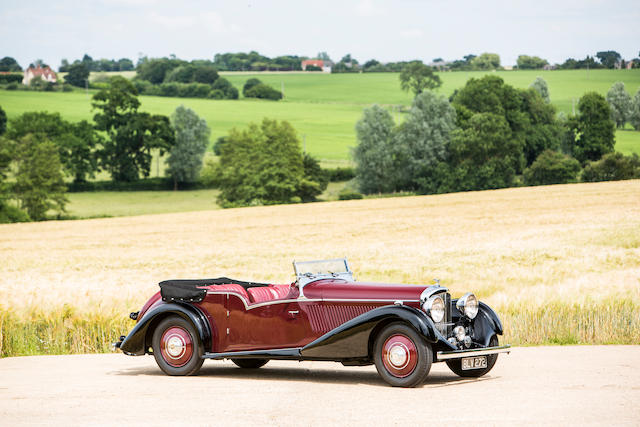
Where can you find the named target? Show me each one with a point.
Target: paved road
(535, 385)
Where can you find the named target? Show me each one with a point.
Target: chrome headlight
(468, 305)
(434, 307)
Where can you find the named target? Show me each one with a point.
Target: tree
(526, 62)
(39, 185)
(3, 121)
(263, 164)
(9, 64)
(552, 167)
(155, 70)
(421, 141)
(612, 167)
(483, 155)
(634, 117)
(263, 91)
(192, 138)
(324, 56)
(592, 129)
(249, 84)
(373, 156)
(78, 74)
(540, 86)
(620, 103)
(76, 142)
(609, 58)
(532, 121)
(417, 77)
(486, 61)
(131, 135)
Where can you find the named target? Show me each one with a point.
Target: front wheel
(177, 347)
(250, 363)
(456, 364)
(402, 357)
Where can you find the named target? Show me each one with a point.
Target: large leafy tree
(192, 138)
(374, 154)
(620, 103)
(131, 135)
(526, 62)
(78, 74)
(552, 167)
(483, 155)
(418, 77)
(9, 64)
(532, 121)
(609, 58)
(486, 61)
(39, 183)
(76, 142)
(592, 131)
(263, 164)
(421, 141)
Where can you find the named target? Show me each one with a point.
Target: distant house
(46, 73)
(325, 66)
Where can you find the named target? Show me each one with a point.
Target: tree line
(40, 151)
(487, 135)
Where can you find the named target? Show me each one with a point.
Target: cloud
(367, 8)
(210, 22)
(412, 33)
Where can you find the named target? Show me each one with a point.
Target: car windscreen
(323, 267)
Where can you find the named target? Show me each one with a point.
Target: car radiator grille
(445, 327)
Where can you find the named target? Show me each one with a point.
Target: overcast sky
(380, 29)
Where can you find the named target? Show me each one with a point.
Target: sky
(385, 30)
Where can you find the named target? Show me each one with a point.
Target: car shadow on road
(326, 376)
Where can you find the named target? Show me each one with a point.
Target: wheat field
(561, 264)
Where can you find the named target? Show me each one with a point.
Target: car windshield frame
(310, 271)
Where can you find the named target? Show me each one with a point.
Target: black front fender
(136, 344)
(352, 339)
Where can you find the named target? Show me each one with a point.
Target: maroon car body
(323, 315)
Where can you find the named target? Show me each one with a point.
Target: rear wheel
(402, 357)
(456, 364)
(250, 363)
(177, 347)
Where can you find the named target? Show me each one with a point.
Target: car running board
(278, 353)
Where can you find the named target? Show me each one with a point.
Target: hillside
(324, 108)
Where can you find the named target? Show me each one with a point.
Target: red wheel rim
(176, 346)
(399, 355)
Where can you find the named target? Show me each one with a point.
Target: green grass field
(325, 107)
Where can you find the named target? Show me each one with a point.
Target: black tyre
(456, 364)
(250, 363)
(402, 357)
(177, 347)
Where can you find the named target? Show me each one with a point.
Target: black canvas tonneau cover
(188, 290)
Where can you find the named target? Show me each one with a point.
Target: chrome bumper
(458, 354)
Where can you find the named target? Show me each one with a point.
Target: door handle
(293, 313)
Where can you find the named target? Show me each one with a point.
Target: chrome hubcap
(399, 356)
(176, 346)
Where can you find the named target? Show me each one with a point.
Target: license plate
(477, 362)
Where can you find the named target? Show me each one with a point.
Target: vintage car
(324, 315)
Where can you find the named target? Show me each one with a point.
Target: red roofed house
(326, 68)
(46, 73)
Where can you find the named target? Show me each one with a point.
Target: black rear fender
(138, 341)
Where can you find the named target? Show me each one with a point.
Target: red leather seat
(268, 293)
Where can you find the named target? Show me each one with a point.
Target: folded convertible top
(190, 290)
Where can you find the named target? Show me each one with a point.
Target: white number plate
(477, 362)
